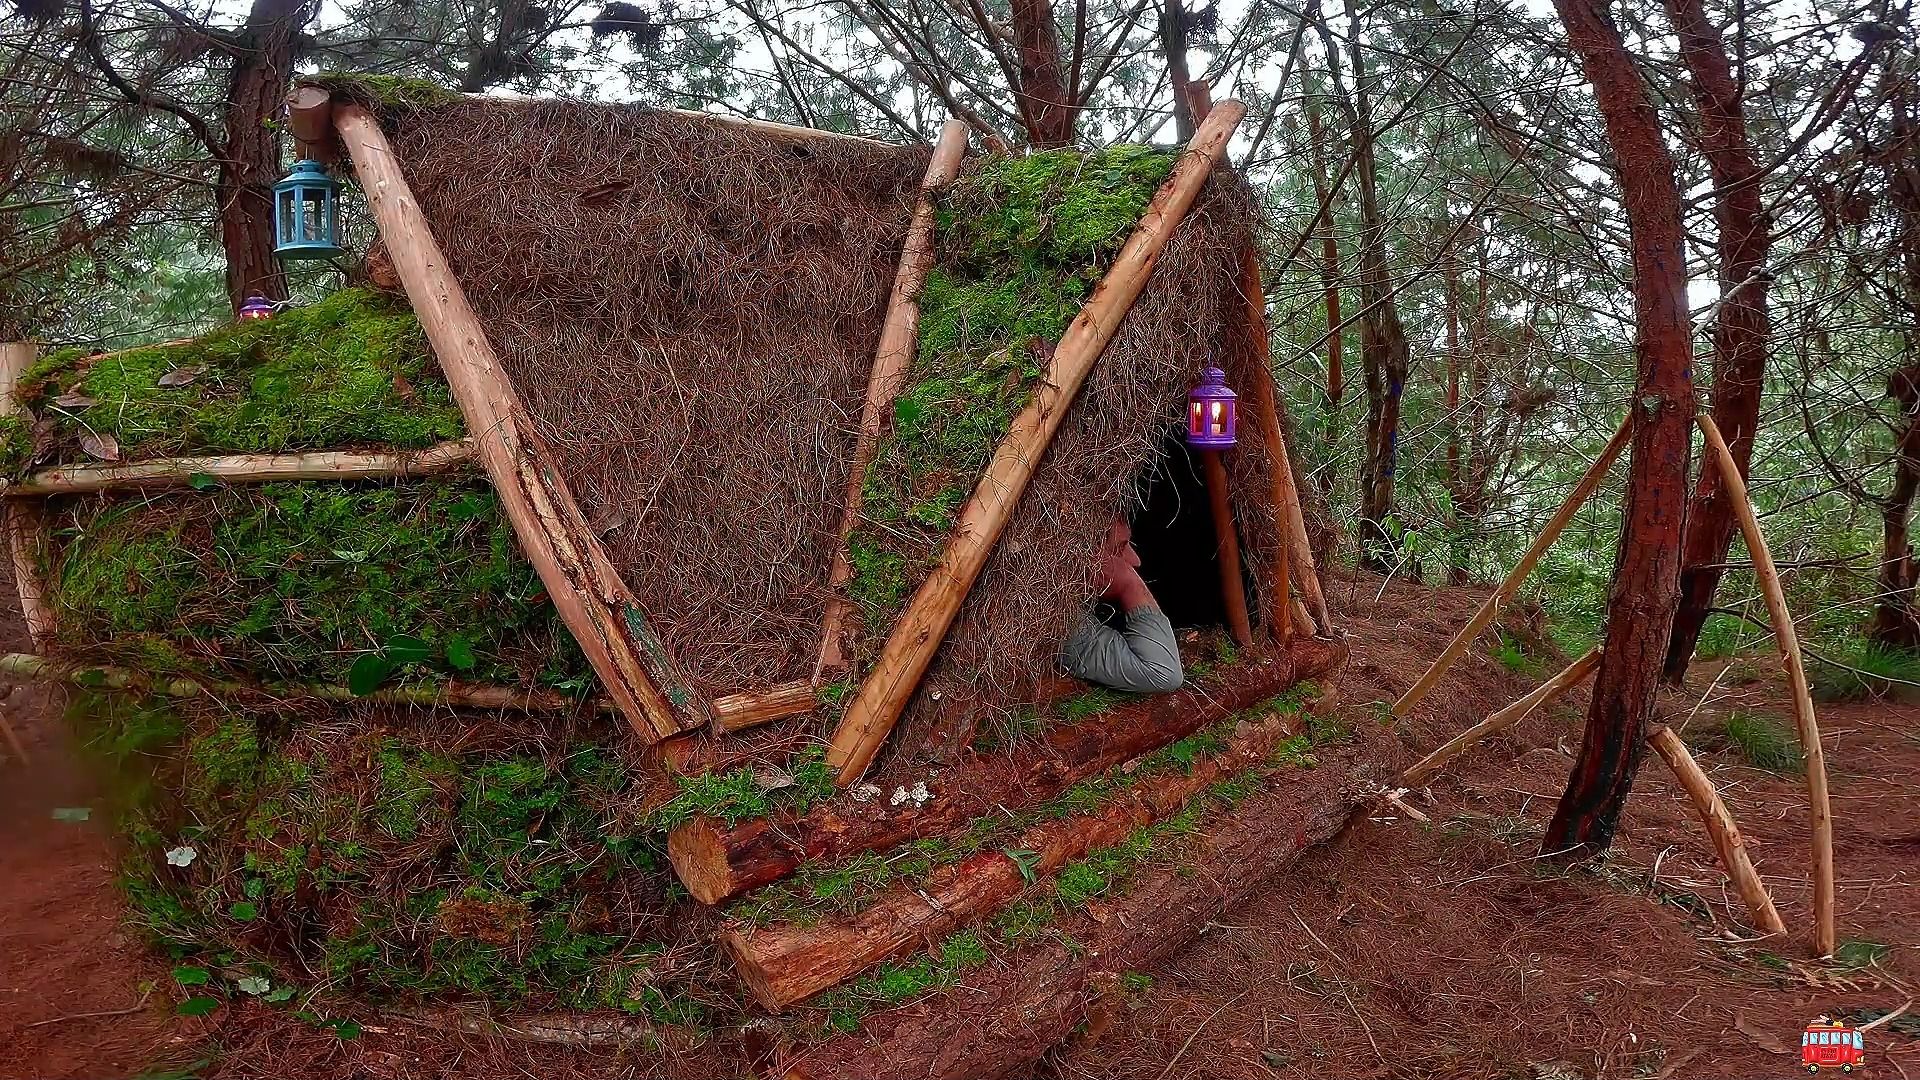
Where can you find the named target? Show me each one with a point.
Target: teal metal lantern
(306, 213)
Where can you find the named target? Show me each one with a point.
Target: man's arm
(1144, 659)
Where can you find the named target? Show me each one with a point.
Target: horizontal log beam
(1421, 772)
(716, 861)
(245, 469)
(737, 712)
(786, 963)
(1002, 1017)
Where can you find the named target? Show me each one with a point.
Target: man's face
(1120, 544)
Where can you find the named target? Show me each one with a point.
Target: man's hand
(1119, 579)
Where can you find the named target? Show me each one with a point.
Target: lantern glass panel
(313, 214)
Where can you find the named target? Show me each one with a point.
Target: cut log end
(702, 858)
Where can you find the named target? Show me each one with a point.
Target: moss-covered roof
(350, 371)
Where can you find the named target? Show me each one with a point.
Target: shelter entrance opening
(1173, 532)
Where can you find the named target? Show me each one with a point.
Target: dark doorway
(1173, 532)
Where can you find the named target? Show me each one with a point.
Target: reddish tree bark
(1896, 619)
(1646, 577)
(1329, 280)
(1048, 105)
(1740, 331)
(250, 157)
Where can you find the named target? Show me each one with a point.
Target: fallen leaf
(74, 399)
(1765, 1040)
(772, 778)
(253, 985)
(181, 376)
(182, 856)
(404, 389)
(104, 447)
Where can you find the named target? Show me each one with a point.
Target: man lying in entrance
(1143, 657)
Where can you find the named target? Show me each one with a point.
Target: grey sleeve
(1144, 659)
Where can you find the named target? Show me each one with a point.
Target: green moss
(350, 370)
(296, 582)
(385, 93)
(411, 785)
(1022, 242)
(747, 792)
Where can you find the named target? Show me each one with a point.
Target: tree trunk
(1896, 619)
(1173, 42)
(250, 158)
(1741, 330)
(1384, 352)
(1329, 282)
(1049, 105)
(1646, 577)
(1456, 488)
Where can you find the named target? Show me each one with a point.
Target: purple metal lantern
(256, 307)
(1211, 412)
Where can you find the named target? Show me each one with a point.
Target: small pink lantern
(256, 307)
(1211, 412)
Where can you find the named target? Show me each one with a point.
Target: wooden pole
(1295, 552)
(25, 525)
(564, 549)
(737, 712)
(1233, 589)
(1491, 607)
(310, 118)
(1789, 640)
(923, 625)
(1424, 770)
(245, 469)
(1720, 828)
(899, 340)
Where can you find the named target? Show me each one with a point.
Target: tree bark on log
(1048, 106)
(899, 338)
(1721, 828)
(1646, 577)
(786, 963)
(716, 862)
(245, 469)
(562, 546)
(1004, 1018)
(1741, 328)
(25, 524)
(923, 624)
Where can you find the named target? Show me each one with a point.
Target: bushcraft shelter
(598, 428)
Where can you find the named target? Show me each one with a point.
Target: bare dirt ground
(1400, 949)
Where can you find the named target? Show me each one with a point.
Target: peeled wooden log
(716, 861)
(923, 624)
(1420, 772)
(597, 607)
(1720, 826)
(1824, 933)
(458, 694)
(786, 963)
(899, 340)
(247, 469)
(736, 712)
(1233, 590)
(1004, 1016)
(1490, 607)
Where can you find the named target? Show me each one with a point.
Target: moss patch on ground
(398, 862)
(310, 583)
(352, 370)
(1021, 244)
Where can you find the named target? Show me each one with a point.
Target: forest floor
(1399, 949)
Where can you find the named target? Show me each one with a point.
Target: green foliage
(1722, 636)
(742, 793)
(1510, 653)
(1022, 243)
(1870, 670)
(1765, 742)
(350, 370)
(1855, 955)
(311, 583)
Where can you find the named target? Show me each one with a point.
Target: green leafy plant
(1765, 742)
